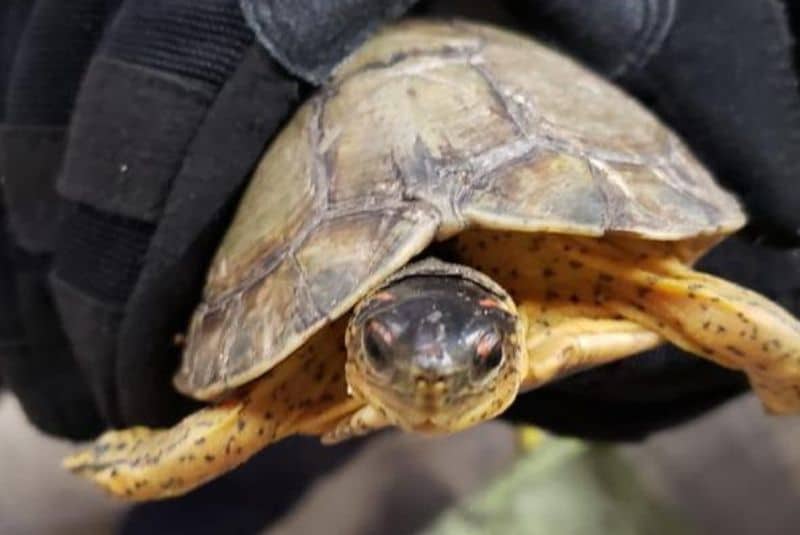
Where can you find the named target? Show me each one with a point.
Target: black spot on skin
(721, 329)
(268, 415)
(209, 458)
(547, 273)
(735, 350)
(706, 325)
(574, 264)
(482, 245)
(113, 473)
(574, 299)
(199, 441)
(121, 446)
(240, 425)
(605, 277)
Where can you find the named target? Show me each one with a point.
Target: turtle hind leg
(567, 329)
(705, 315)
(645, 282)
(734, 327)
(306, 393)
(569, 345)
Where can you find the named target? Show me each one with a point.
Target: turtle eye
(377, 344)
(488, 353)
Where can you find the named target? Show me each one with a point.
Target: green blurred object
(564, 487)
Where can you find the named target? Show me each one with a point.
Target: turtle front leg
(362, 422)
(305, 394)
(569, 345)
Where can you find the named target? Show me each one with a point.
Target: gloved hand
(726, 79)
(176, 105)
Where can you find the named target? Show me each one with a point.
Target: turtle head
(437, 348)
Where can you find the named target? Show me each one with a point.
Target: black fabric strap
(57, 45)
(128, 137)
(311, 37)
(145, 98)
(53, 51)
(199, 40)
(248, 111)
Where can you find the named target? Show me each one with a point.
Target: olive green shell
(429, 128)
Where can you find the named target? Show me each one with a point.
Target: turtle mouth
(421, 405)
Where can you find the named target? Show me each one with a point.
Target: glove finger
(12, 21)
(724, 80)
(309, 42)
(55, 46)
(145, 94)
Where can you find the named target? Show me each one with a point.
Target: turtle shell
(427, 129)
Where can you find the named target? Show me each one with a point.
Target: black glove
(178, 103)
(725, 78)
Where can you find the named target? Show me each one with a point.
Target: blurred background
(734, 471)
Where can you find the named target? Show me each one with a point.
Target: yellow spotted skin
(304, 394)
(557, 278)
(631, 294)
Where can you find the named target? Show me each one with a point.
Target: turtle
(458, 215)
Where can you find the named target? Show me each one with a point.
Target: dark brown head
(437, 348)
